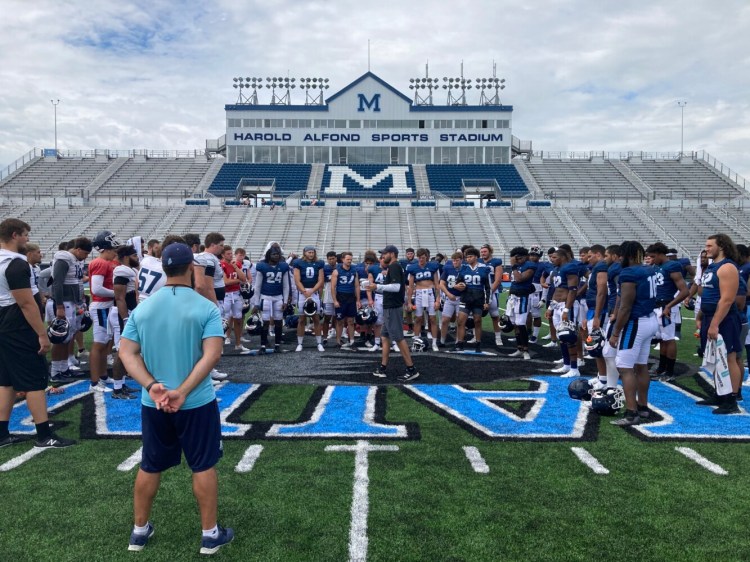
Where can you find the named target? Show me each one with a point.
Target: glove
(540, 303)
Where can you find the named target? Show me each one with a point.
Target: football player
(126, 299)
(102, 300)
(536, 302)
(451, 296)
(633, 330)
(671, 290)
(548, 286)
(423, 288)
(209, 276)
(151, 276)
(271, 294)
(376, 276)
(495, 266)
(366, 297)
(234, 277)
(309, 279)
(67, 300)
(744, 255)
(346, 295)
(474, 284)
(521, 287)
(405, 262)
(328, 308)
(565, 308)
(596, 302)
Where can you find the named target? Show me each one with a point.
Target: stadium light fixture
(424, 83)
(249, 84)
(55, 103)
(492, 83)
(314, 88)
(682, 105)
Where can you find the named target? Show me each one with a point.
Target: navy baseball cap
(176, 254)
(389, 248)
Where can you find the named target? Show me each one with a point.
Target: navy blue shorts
(196, 432)
(729, 329)
(347, 307)
(472, 302)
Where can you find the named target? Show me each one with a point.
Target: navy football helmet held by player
(254, 324)
(247, 291)
(105, 240)
(86, 321)
(288, 310)
(580, 389)
(595, 343)
(291, 321)
(58, 330)
(366, 316)
(310, 308)
(690, 304)
(506, 324)
(608, 401)
(245, 306)
(567, 333)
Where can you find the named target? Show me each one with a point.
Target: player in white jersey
(126, 299)
(151, 276)
(67, 301)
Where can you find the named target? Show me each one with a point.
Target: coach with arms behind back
(169, 345)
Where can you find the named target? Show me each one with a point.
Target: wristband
(148, 388)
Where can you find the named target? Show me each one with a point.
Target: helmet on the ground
(580, 389)
(608, 401)
(418, 345)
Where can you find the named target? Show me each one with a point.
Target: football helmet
(254, 324)
(105, 240)
(470, 322)
(58, 330)
(608, 401)
(690, 304)
(366, 315)
(245, 306)
(291, 321)
(418, 345)
(225, 324)
(580, 389)
(289, 310)
(535, 250)
(86, 321)
(310, 308)
(246, 290)
(506, 324)
(595, 343)
(567, 333)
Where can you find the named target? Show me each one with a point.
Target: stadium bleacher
(447, 178)
(289, 178)
(368, 180)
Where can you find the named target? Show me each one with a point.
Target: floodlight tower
(461, 84)
(310, 85)
(286, 85)
(55, 103)
(425, 83)
(248, 83)
(682, 105)
(488, 84)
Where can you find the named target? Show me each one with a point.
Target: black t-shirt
(18, 276)
(395, 274)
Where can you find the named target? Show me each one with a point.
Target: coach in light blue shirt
(169, 345)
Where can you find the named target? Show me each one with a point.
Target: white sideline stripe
(20, 459)
(476, 460)
(358, 540)
(129, 463)
(701, 460)
(247, 462)
(589, 460)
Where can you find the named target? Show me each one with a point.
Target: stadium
(484, 458)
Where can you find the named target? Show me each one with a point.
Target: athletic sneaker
(121, 394)
(243, 339)
(728, 407)
(218, 375)
(138, 541)
(241, 349)
(596, 384)
(394, 348)
(347, 345)
(227, 341)
(73, 368)
(379, 372)
(62, 376)
(570, 374)
(409, 375)
(100, 387)
(516, 353)
(73, 362)
(298, 348)
(644, 413)
(711, 401)
(560, 361)
(526, 356)
(82, 353)
(459, 346)
(408, 333)
(472, 340)
(562, 370)
(54, 442)
(435, 345)
(630, 418)
(375, 347)
(212, 546)
(441, 344)
(533, 339)
(547, 337)
(321, 348)
(11, 440)
(550, 344)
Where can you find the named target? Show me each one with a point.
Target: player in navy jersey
(495, 266)
(634, 328)
(271, 294)
(451, 297)
(309, 279)
(744, 263)
(596, 302)
(346, 294)
(565, 308)
(408, 315)
(671, 290)
(328, 308)
(521, 287)
(719, 314)
(424, 292)
(376, 276)
(609, 353)
(548, 289)
(366, 332)
(474, 284)
(534, 318)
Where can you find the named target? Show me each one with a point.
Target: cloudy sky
(581, 75)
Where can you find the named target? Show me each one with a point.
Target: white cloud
(582, 75)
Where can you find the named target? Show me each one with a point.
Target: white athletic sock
(498, 337)
(300, 339)
(613, 374)
(211, 533)
(318, 339)
(535, 331)
(59, 366)
(377, 341)
(140, 530)
(118, 384)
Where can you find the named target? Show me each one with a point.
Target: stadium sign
(374, 137)
(542, 412)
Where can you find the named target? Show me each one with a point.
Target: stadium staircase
(108, 172)
(635, 180)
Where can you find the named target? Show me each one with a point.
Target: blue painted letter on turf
(343, 412)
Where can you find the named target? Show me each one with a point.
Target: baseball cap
(389, 248)
(176, 254)
(308, 249)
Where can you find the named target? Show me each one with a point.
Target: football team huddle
(604, 304)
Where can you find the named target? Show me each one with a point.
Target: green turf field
(534, 500)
